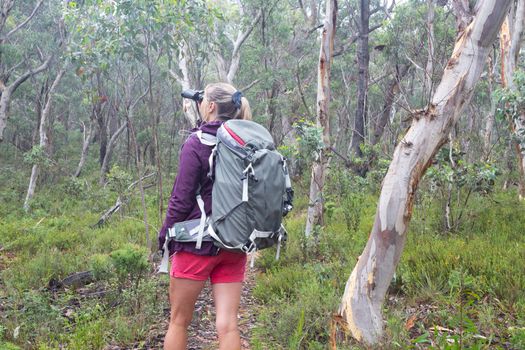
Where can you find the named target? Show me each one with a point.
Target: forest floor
(202, 334)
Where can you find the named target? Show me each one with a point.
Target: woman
(192, 267)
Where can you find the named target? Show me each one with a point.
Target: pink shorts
(225, 267)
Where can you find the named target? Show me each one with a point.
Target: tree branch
(249, 86)
(353, 39)
(12, 87)
(22, 24)
(242, 36)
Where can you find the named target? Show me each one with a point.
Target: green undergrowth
(452, 290)
(58, 239)
(463, 289)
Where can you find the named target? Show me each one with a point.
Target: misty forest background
(91, 121)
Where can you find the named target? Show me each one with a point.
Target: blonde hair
(222, 95)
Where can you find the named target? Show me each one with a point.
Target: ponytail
(245, 111)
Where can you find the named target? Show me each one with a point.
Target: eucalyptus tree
(320, 166)
(235, 34)
(43, 135)
(191, 56)
(369, 281)
(47, 34)
(215, 33)
(131, 45)
(278, 70)
(112, 40)
(16, 67)
(510, 44)
(408, 61)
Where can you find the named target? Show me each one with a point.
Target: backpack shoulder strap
(206, 139)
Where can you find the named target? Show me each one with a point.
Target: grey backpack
(251, 193)
(251, 189)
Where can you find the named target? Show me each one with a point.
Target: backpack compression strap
(208, 140)
(202, 223)
(245, 175)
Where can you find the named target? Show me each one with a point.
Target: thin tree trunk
(489, 121)
(429, 69)
(35, 171)
(129, 118)
(227, 72)
(104, 169)
(363, 58)
(448, 205)
(510, 42)
(320, 166)
(141, 185)
(88, 138)
(155, 118)
(366, 288)
(102, 120)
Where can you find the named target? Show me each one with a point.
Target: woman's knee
(226, 324)
(181, 316)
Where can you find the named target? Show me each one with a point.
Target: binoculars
(195, 95)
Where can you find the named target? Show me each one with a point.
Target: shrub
(102, 266)
(130, 262)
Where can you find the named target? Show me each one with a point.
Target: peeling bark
(461, 9)
(320, 166)
(369, 281)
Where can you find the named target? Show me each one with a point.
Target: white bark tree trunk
(188, 106)
(88, 138)
(227, 71)
(369, 281)
(44, 144)
(320, 166)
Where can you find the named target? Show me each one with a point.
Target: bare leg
(183, 295)
(227, 297)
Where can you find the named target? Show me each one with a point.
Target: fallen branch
(118, 204)
(76, 280)
(108, 213)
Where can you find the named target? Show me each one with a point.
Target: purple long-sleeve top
(193, 173)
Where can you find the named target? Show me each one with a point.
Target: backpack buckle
(248, 249)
